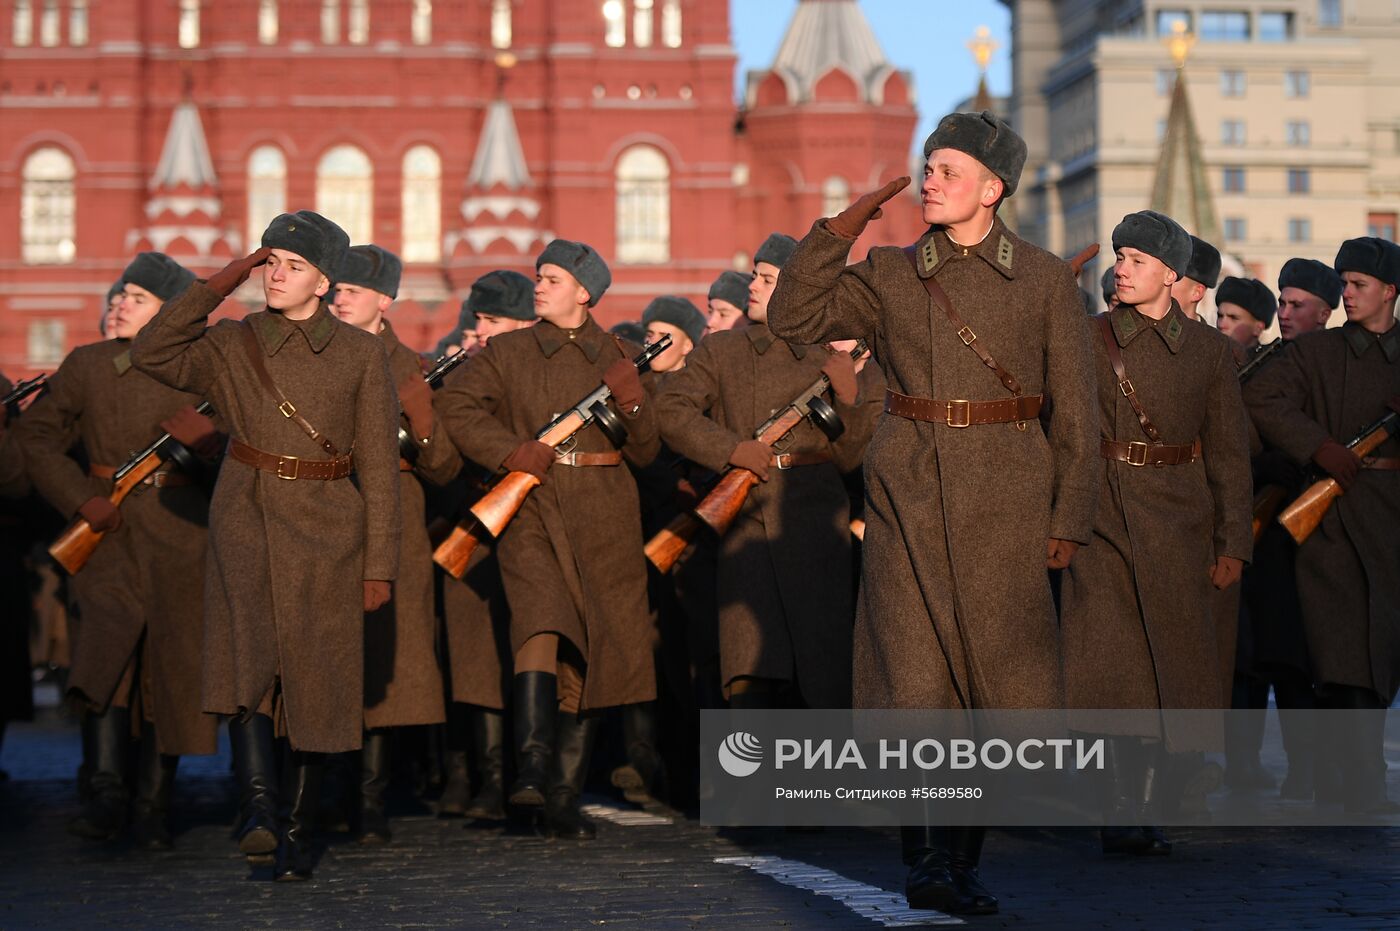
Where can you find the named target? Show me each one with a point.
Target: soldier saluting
(967, 499)
(297, 553)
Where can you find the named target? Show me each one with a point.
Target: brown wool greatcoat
(1136, 604)
(287, 559)
(403, 682)
(146, 577)
(571, 562)
(783, 578)
(1334, 383)
(955, 607)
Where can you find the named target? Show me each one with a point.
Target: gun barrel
(24, 389)
(204, 408)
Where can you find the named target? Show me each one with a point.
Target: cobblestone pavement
(644, 874)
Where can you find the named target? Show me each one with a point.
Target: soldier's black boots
(965, 855)
(943, 870)
(1131, 782)
(104, 813)
(573, 746)
(256, 769)
(374, 780)
(150, 822)
(489, 738)
(296, 855)
(639, 777)
(536, 700)
(456, 786)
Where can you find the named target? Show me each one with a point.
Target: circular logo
(740, 754)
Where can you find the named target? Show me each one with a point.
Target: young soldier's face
(765, 279)
(1188, 292)
(489, 325)
(723, 316)
(1139, 277)
(1238, 324)
(135, 309)
(1367, 300)
(361, 307)
(674, 357)
(290, 282)
(955, 187)
(1300, 312)
(558, 295)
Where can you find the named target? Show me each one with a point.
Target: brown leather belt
(160, 479)
(291, 467)
(961, 413)
(585, 460)
(1381, 463)
(405, 465)
(786, 461)
(1145, 454)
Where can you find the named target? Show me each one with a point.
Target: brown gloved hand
(416, 399)
(531, 456)
(226, 280)
(1226, 572)
(754, 456)
(840, 370)
(1059, 552)
(194, 431)
(850, 223)
(101, 515)
(376, 594)
(626, 385)
(1339, 462)
(1077, 263)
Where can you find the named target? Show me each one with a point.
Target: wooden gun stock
(455, 552)
(75, 546)
(491, 514)
(719, 508)
(664, 549)
(1266, 505)
(1301, 517)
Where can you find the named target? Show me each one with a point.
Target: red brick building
(462, 134)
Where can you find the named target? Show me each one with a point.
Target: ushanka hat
(776, 250)
(158, 273)
(732, 287)
(1205, 263)
(581, 261)
(371, 267)
(679, 313)
(1370, 255)
(1312, 276)
(1156, 234)
(1250, 293)
(985, 137)
(501, 293)
(311, 236)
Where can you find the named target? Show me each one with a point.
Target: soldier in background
(1244, 309)
(728, 302)
(1202, 273)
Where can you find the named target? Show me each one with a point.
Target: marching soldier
(1172, 521)
(403, 683)
(1244, 309)
(1308, 293)
(297, 553)
(571, 561)
(955, 606)
(728, 302)
(1328, 386)
(138, 634)
(1202, 273)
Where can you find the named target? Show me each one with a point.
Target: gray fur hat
(501, 293)
(1205, 263)
(630, 330)
(985, 137)
(732, 287)
(158, 273)
(679, 313)
(581, 261)
(371, 267)
(776, 250)
(1109, 285)
(313, 237)
(1156, 234)
(1251, 294)
(1312, 276)
(1370, 255)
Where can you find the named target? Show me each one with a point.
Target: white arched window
(267, 22)
(643, 206)
(50, 22)
(501, 28)
(330, 22)
(22, 26)
(267, 189)
(78, 22)
(357, 31)
(47, 206)
(421, 25)
(422, 205)
(836, 195)
(642, 22)
(615, 23)
(671, 23)
(345, 191)
(189, 24)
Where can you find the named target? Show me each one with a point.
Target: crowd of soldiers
(987, 503)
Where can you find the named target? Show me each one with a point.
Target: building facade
(462, 134)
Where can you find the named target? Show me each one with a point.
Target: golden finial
(1179, 43)
(505, 60)
(982, 45)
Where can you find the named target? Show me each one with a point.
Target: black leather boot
(296, 854)
(536, 705)
(1120, 778)
(104, 814)
(639, 777)
(150, 824)
(1149, 807)
(489, 738)
(573, 747)
(374, 780)
(965, 854)
(255, 767)
(930, 882)
(456, 787)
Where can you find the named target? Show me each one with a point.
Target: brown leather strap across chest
(1144, 454)
(960, 413)
(285, 407)
(291, 467)
(1125, 384)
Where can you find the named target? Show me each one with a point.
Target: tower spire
(1180, 189)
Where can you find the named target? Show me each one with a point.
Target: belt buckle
(1140, 448)
(965, 407)
(296, 467)
(783, 461)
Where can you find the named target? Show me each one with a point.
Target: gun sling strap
(1138, 453)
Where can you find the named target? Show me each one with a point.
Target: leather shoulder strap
(287, 409)
(1125, 384)
(969, 338)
